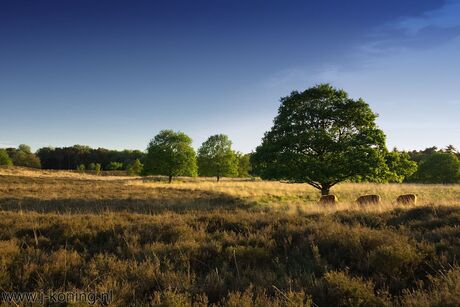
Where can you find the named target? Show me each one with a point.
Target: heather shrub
(444, 291)
(174, 246)
(9, 250)
(339, 289)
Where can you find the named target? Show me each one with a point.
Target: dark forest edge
(120, 161)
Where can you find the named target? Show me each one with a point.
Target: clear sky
(113, 73)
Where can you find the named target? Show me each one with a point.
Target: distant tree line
(171, 155)
(436, 165)
(20, 156)
(85, 157)
(320, 136)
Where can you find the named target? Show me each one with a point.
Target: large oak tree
(322, 137)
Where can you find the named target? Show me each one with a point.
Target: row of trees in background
(134, 168)
(436, 165)
(320, 136)
(79, 156)
(433, 165)
(216, 158)
(21, 156)
(171, 154)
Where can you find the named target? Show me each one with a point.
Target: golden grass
(17, 171)
(204, 193)
(230, 243)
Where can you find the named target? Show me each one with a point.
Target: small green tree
(216, 157)
(113, 166)
(5, 158)
(321, 137)
(244, 164)
(170, 154)
(81, 168)
(439, 167)
(136, 168)
(97, 168)
(92, 166)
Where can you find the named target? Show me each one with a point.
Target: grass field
(233, 243)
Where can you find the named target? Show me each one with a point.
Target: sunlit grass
(192, 193)
(228, 243)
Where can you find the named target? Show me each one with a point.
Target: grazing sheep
(328, 199)
(369, 199)
(407, 199)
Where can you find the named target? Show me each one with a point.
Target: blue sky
(113, 73)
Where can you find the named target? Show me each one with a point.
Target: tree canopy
(5, 158)
(136, 168)
(170, 154)
(113, 166)
(244, 164)
(398, 166)
(73, 156)
(23, 156)
(321, 137)
(439, 167)
(216, 157)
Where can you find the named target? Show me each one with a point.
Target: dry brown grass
(117, 192)
(232, 243)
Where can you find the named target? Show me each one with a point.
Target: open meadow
(238, 242)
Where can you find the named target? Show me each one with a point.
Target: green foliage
(398, 166)
(113, 166)
(244, 165)
(136, 168)
(216, 157)
(5, 158)
(321, 137)
(419, 155)
(439, 167)
(97, 168)
(81, 168)
(170, 154)
(71, 157)
(23, 156)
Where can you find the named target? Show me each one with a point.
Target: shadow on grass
(174, 200)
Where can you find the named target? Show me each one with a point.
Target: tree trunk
(170, 178)
(324, 190)
(218, 178)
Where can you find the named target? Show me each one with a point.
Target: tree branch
(314, 184)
